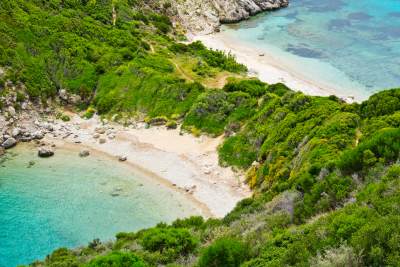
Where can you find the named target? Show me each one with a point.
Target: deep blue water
(359, 38)
(67, 201)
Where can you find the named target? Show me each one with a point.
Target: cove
(352, 45)
(67, 201)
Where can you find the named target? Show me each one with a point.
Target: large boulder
(45, 152)
(9, 143)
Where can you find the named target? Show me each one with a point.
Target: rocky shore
(206, 16)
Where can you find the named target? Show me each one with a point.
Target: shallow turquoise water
(68, 201)
(360, 39)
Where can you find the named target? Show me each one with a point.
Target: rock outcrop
(206, 16)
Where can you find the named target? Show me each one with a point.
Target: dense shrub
(117, 259)
(224, 252)
(62, 257)
(383, 103)
(383, 146)
(214, 109)
(253, 87)
(170, 241)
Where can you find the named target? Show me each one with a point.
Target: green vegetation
(117, 259)
(127, 67)
(224, 252)
(326, 183)
(325, 173)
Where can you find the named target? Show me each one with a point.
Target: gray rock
(38, 135)
(100, 130)
(122, 158)
(9, 143)
(63, 94)
(15, 132)
(45, 152)
(102, 140)
(84, 153)
(11, 111)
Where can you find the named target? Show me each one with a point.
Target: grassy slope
(325, 173)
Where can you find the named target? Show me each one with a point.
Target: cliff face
(206, 16)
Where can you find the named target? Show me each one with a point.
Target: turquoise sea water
(354, 45)
(68, 201)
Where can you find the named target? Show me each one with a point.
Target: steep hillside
(326, 181)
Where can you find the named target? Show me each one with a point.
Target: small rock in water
(84, 153)
(31, 163)
(96, 135)
(122, 158)
(45, 152)
(102, 140)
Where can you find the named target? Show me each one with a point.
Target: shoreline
(270, 69)
(140, 171)
(187, 164)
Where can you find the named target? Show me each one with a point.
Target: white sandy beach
(188, 164)
(272, 69)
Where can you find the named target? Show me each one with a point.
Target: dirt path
(181, 72)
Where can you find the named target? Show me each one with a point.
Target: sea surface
(353, 45)
(67, 201)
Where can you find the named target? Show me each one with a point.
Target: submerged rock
(45, 152)
(9, 143)
(31, 163)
